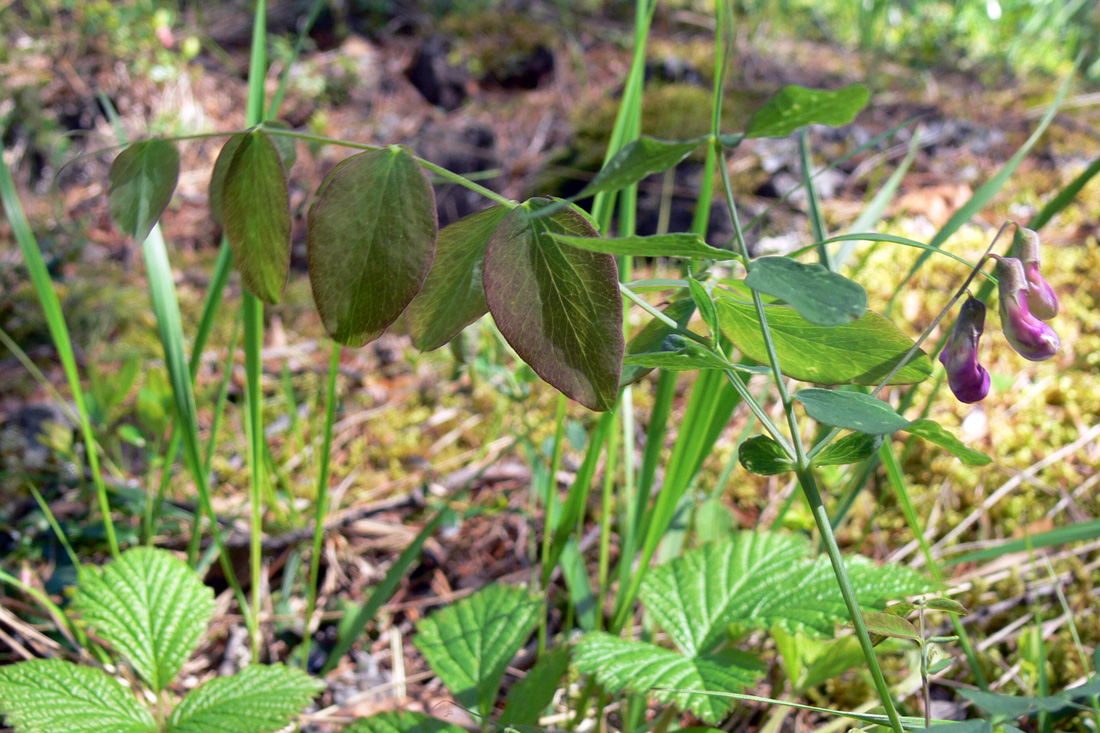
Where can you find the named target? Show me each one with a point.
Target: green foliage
(852, 448)
(851, 410)
(821, 296)
(372, 239)
(402, 721)
(709, 595)
(259, 699)
(142, 179)
(861, 352)
(255, 210)
(468, 644)
(54, 696)
(763, 456)
(149, 607)
(637, 160)
(681, 244)
(558, 306)
(530, 696)
(793, 107)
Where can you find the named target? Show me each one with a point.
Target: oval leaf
(638, 159)
(861, 352)
(885, 624)
(558, 306)
(453, 295)
(372, 236)
(933, 432)
(821, 296)
(255, 209)
(851, 410)
(851, 448)
(216, 190)
(793, 107)
(763, 456)
(142, 179)
(682, 244)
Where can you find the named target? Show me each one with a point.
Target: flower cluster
(1026, 301)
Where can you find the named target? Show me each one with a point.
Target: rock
(433, 74)
(673, 69)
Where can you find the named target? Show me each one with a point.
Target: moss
(496, 46)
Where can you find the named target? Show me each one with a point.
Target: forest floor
(529, 100)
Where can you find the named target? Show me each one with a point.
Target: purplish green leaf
(55, 696)
(372, 237)
(861, 352)
(149, 607)
(822, 297)
(558, 306)
(258, 699)
(793, 107)
(142, 179)
(763, 456)
(255, 211)
(453, 295)
(469, 643)
(851, 410)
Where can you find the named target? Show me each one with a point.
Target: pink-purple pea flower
(1031, 338)
(969, 381)
(1041, 300)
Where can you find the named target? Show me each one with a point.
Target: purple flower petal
(968, 380)
(1041, 300)
(1031, 338)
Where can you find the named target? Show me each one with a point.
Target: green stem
(550, 513)
(322, 500)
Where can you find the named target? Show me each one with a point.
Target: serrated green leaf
(810, 662)
(401, 721)
(761, 580)
(793, 107)
(453, 295)
(933, 432)
(822, 297)
(763, 456)
(372, 237)
(150, 607)
(54, 696)
(255, 212)
(469, 643)
(142, 179)
(530, 696)
(887, 624)
(687, 245)
(851, 410)
(258, 699)
(638, 159)
(558, 306)
(639, 667)
(861, 352)
(653, 337)
(852, 448)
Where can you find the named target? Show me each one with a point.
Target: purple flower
(1031, 338)
(1041, 300)
(969, 381)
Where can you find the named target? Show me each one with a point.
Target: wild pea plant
(557, 284)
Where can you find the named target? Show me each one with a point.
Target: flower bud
(1041, 300)
(1031, 338)
(969, 381)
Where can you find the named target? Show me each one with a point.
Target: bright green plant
(150, 611)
